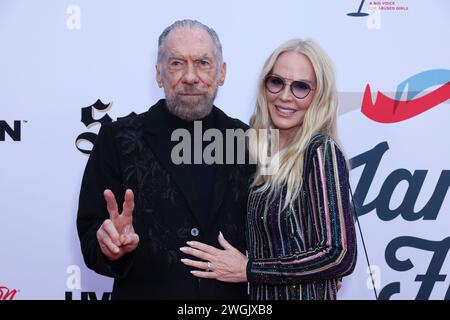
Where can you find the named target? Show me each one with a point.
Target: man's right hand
(116, 235)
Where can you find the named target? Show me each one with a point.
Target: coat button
(194, 232)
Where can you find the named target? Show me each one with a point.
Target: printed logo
(374, 10)
(6, 293)
(87, 118)
(388, 110)
(14, 131)
(371, 161)
(358, 13)
(393, 6)
(379, 6)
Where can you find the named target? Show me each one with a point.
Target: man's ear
(222, 74)
(158, 76)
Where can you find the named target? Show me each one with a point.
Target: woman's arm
(329, 206)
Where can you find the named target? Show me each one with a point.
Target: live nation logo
(73, 284)
(7, 293)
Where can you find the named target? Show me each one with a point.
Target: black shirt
(203, 174)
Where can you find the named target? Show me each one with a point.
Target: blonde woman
(300, 232)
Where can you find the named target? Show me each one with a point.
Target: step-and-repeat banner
(66, 67)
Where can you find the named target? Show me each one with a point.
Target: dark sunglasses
(300, 89)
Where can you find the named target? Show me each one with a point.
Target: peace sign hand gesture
(116, 235)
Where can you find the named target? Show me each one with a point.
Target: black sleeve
(102, 172)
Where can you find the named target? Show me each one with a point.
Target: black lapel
(158, 138)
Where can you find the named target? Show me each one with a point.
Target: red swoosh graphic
(388, 110)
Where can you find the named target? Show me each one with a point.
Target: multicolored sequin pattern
(302, 251)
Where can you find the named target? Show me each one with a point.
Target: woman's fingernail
(220, 234)
(183, 260)
(183, 248)
(189, 242)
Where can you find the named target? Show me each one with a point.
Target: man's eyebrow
(179, 57)
(205, 56)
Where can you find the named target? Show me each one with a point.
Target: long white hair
(320, 117)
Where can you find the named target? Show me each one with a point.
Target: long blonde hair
(319, 118)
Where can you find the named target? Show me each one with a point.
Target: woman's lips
(285, 112)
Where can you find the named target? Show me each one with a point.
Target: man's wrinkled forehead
(192, 42)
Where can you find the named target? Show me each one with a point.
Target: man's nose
(190, 75)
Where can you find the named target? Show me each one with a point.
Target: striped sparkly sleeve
(328, 200)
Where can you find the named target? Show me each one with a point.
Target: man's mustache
(191, 91)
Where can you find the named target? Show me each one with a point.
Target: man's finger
(109, 244)
(129, 239)
(128, 204)
(111, 231)
(111, 204)
(108, 253)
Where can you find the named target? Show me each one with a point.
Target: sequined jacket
(302, 251)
